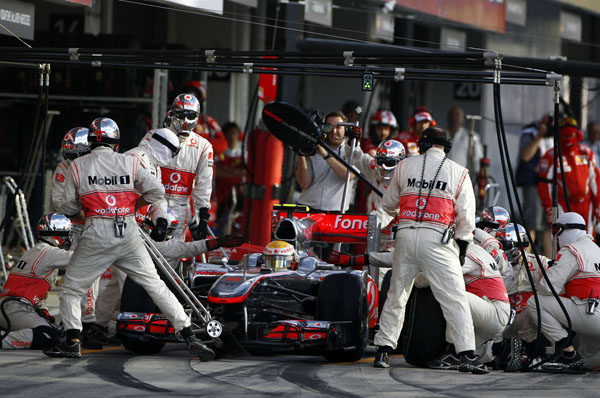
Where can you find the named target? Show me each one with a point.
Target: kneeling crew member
(575, 272)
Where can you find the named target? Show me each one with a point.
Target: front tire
(343, 297)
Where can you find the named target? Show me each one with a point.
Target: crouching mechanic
(576, 274)
(23, 322)
(492, 219)
(104, 184)
(433, 194)
(522, 329)
(488, 302)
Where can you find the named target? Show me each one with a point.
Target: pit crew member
(576, 274)
(104, 184)
(492, 220)
(433, 194)
(190, 173)
(23, 322)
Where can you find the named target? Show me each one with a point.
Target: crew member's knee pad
(44, 337)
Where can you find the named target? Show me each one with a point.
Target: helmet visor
(275, 262)
(185, 114)
(384, 161)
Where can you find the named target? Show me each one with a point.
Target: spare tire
(343, 297)
(424, 331)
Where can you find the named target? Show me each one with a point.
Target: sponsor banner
(384, 27)
(570, 26)
(18, 17)
(485, 14)
(516, 12)
(177, 182)
(318, 11)
(109, 204)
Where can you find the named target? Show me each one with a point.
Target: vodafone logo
(110, 200)
(175, 178)
(347, 223)
(421, 203)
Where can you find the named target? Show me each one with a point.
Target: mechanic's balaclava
(571, 227)
(164, 145)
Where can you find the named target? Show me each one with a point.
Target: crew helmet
(389, 153)
(507, 235)
(55, 229)
(104, 131)
(493, 218)
(75, 143)
(279, 255)
(184, 113)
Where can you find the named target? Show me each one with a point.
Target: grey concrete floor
(116, 372)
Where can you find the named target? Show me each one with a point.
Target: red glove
(347, 260)
(355, 132)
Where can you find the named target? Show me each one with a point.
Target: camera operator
(320, 175)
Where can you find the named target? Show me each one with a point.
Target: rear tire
(343, 297)
(424, 332)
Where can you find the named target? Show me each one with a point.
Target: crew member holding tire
(105, 184)
(433, 198)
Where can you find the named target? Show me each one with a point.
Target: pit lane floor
(114, 371)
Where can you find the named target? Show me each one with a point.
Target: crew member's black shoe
(565, 361)
(512, 358)
(196, 347)
(65, 349)
(445, 362)
(89, 338)
(382, 357)
(472, 364)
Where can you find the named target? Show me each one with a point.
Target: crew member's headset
(434, 136)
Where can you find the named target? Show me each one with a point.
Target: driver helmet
(55, 229)
(75, 143)
(144, 219)
(104, 131)
(507, 236)
(279, 256)
(493, 218)
(389, 153)
(184, 113)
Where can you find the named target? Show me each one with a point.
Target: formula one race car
(315, 307)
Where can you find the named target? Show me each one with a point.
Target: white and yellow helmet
(279, 255)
